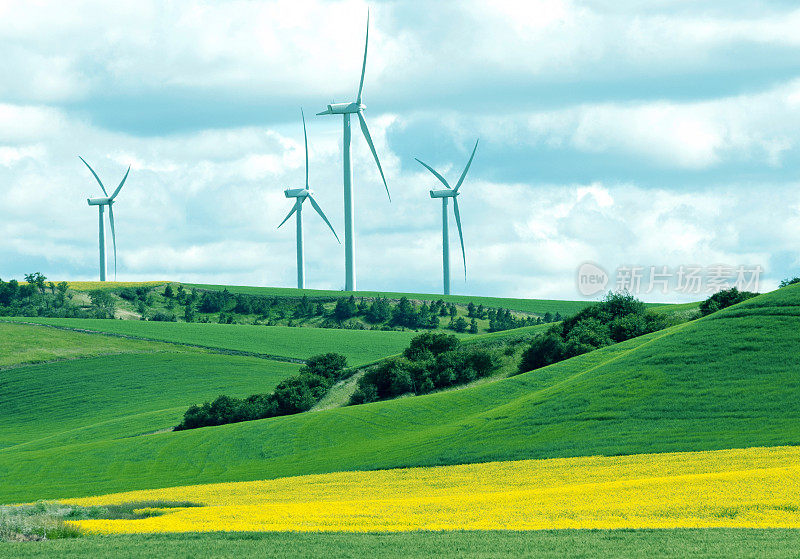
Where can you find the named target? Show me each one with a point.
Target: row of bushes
(724, 299)
(431, 362)
(619, 317)
(293, 395)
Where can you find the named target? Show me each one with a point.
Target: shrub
(161, 316)
(430, 344)
(619, 317)
(293, 395)
(787, 282)
(432, 361)
(328, 365)
(724, 299)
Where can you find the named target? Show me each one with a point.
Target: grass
(555, 544)
(108, 397)
(359, 346)
(726, 381)
(23, 344)
(537, 306)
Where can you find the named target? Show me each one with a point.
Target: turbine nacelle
(99, 201)
(343, 108)
(446, 193)
(297, 192)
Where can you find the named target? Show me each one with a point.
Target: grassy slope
(729, 380)
(538, 306)
(20, 343)
(105, 398)
(360, 346)
(554, 544)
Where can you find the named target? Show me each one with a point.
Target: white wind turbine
(300, 195)
(446, 194)
(346, 109)
(101, 203)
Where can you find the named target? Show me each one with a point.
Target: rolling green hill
(538, 306)
(359, 346)
(110, 388)
(20, 344)
(728, 380)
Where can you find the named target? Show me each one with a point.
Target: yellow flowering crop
(89, 285)
(756, 487)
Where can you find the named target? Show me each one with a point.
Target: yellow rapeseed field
(756, 488)
(90, 285)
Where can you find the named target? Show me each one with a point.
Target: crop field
(725, 381)
(680, 443)
(93, 387)
(704, 543)
(21, 343)
(359, 346)
(749, 488)
(108, 285)
(538, 306)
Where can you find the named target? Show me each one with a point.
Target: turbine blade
(464, 174)
(364, 64)
(365, 130)
(435, 174)
(305, 136)
(322, 215)
(95, 175)
(294, 209)
(460, 235)
(113, 237)
(120, 184)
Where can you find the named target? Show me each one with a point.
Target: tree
(328, 365)
(379, 311)
(471, 310)
(405, 314)
(103, 303)
(723, 299)
(460, 324)
(473, 326)
(189, 313)
(543, 351)
(168, 291)
(345, 308)
(36, 279)
(787, 282)
(429, 345)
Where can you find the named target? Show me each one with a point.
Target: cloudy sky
(623, 133)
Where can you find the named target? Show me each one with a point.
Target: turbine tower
(445, 195)
(300, 195)
(101, 203)
(347, 109)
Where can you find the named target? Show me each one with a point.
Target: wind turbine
(446, 194)
(347, 109)
(300, 195)
(101, 203)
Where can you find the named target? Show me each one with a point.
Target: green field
(108, 397)
(21, 344)
(726, 381)
(556, 544)
(359, 346)
(537, 306)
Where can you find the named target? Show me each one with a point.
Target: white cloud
(203, 205)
